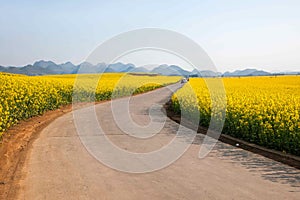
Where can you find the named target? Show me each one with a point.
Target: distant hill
(204, 73)
(48, 67)
(140, 69)
(52, 68)
(120, 67)
(26, 70)
(247, 72)
(170, 70)
(104, 68)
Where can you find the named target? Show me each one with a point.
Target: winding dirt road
(60, 167)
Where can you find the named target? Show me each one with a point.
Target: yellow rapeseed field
(22, 97)
(262, 110)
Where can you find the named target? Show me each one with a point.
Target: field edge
(289, 159)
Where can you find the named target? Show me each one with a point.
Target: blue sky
(235, 34)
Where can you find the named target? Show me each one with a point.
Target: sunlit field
(262, 110)
(22, 97)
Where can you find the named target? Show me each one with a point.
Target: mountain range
(49, 67)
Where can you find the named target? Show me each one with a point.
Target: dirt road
(60, 167)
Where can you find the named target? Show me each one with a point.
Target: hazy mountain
(170, 70)
(52, 68)
(260, 73)
(69, 68)
(287, 73)
(26, 70)
(48, 67)
(86, 68)
(149, 67)
(247, 72)
(139, 69)
(44, 64)
(204, 73)
(120, 67)
(100, 67)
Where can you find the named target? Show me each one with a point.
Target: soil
(15, 144)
